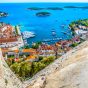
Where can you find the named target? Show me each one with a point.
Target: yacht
(27, 34)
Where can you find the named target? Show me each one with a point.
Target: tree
(48, 60)
(22, 69)
(25, 69)
(37, 66)
(36, 45)
(40, 58)
(26, 47)
(16, 68)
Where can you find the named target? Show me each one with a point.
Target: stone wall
(55, 65)
(7, 77)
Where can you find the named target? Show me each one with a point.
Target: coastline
(27, 63)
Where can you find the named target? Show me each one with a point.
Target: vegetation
(79, 22)
(74, 44)
(36, 45)
(75, 24)
(27, 69)
(26, 47)
(16, 29)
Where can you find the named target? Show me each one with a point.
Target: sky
(7, 1)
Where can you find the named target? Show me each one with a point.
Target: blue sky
(2, 1)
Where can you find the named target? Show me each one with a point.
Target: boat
(53, 33)
(64, 32)
(62, 26)
(27, 34)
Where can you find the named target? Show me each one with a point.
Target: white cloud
(43, 1)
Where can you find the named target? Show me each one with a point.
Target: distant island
(43, 14)
(54, 8)
(35, 8)
(80, 7)
(3, 14)
(58, 8)
(71, 7)
(49, 8)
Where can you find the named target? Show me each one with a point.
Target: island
(3, 14)
(43, 14)
(71, 7)
(48, 8)
(78, 7)
(35, 8)
(55, 8)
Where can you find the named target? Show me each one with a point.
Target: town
(19, 55)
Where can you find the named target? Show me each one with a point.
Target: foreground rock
(72, 74)
(7, 77)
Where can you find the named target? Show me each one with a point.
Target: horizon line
(49, 2)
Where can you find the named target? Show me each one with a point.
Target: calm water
(42, 26)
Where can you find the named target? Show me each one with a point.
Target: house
(46, 50)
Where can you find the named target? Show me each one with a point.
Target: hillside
(69, 71)
(71, 74)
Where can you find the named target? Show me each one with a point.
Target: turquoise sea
(42, 26)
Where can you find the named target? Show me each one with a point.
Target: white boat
(53, 33)
(28, 34)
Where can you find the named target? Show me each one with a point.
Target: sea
(59, 20)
